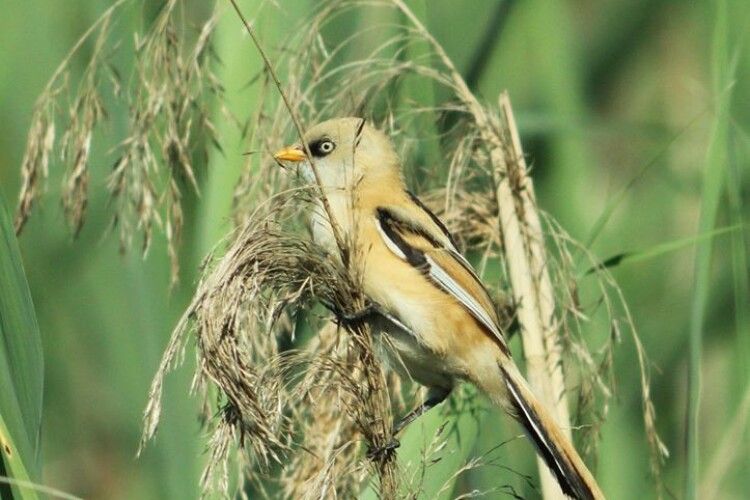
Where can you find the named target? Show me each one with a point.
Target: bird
(437, 322)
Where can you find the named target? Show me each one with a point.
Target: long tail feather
(557, 451)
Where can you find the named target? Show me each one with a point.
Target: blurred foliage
(601, 89)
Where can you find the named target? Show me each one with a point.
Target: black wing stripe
(434, 218)
(358, 134)
(436, 244)
(412, 255)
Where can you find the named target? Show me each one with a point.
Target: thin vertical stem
(298, 126)
(712, 186)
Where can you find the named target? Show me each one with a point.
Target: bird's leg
(363, 314)
(357, 318)
(382, 453)
(435, 396)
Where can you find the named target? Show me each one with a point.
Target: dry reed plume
(319, 404)
(169, 94)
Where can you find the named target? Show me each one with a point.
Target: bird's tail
(557, 451)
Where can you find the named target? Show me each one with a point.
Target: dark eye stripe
(322, 147)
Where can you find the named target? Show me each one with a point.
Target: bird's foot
(358, 318)
(385, 452)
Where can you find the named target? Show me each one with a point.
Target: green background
(601, 89)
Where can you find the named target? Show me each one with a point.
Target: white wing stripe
(389, 243)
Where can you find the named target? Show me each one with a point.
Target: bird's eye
(322, 147)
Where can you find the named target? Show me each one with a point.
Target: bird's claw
(382, 453)
(357, 319)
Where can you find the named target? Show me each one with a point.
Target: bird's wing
(419, 238)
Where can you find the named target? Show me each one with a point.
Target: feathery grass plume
(325, 463)
(170, 102)
(35, 166)
(169, 93)
(267, 271)
(84, 115)
(596, 378)
(40, 142)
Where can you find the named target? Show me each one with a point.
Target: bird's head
(346, 152)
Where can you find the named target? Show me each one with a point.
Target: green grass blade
(740, 149)
(662, 248)
(239, 64)
(557, 55)
(21, 367)
(741, 286)
(417, 92)
(712, 188)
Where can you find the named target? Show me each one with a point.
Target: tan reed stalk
(532, 289)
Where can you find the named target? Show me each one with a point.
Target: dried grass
(335, 389)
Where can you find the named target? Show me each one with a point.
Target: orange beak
(291, 153)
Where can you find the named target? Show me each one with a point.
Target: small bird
(436, 321)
